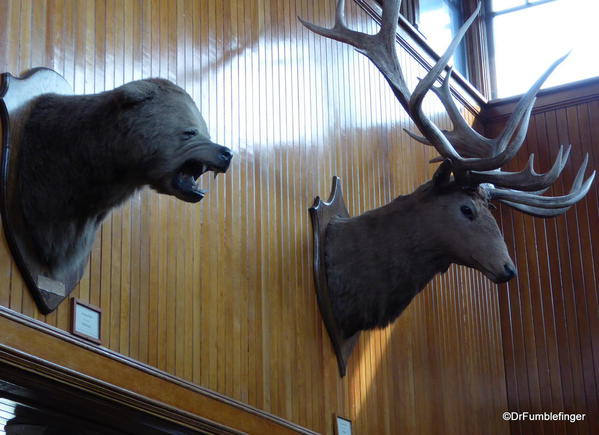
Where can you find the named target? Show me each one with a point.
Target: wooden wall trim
(548, 315)
(28, 379)
(36, 346)
(412, 41)
(556, 97)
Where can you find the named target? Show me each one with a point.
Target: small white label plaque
(86, 321)
(343, 426)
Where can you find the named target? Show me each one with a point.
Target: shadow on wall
(428, 356)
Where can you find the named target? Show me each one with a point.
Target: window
(439, 21)
(528, 35)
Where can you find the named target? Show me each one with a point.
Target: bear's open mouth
(185, 181)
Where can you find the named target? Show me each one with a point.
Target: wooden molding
(561, 96)
(33, 381)
(37, 347)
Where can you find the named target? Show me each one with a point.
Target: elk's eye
(467, 211)
(188, 134)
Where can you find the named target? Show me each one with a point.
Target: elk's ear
(442, 175)
(135, 92)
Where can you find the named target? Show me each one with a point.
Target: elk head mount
(69, 159)
(368, 268)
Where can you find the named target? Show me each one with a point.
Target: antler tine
(525, 104)
(432, 133)
(537, 211)
(389, 22)
(513, 135)
(379, 48)
(551, 212)
(339, 32)
(465, 140)
(527, 179)
(577, 192)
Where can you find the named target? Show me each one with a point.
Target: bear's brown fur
(83, 155)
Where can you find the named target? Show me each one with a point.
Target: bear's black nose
(226, 153)
(510, 272)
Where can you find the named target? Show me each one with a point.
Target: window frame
(475, 43)
(477, 84)
(489, 16)
(465, 42)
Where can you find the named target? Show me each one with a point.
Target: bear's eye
(467, 211)
(188, 134)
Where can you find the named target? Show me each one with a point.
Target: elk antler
(474, 159)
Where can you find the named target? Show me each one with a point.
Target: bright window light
(528, 40)
(439, 21)
(501, 5)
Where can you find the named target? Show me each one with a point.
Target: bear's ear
(135, 92)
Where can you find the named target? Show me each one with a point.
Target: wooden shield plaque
(16, 97)
(321, 213)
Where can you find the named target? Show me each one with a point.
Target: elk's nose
(510, 271)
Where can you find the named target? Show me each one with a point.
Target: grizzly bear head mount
(76, 157)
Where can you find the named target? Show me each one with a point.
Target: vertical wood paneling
(221, 293)
(550, 314)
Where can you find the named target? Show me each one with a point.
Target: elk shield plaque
(321, 213)
(16, 97)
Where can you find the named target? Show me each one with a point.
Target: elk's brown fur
(378, 261)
